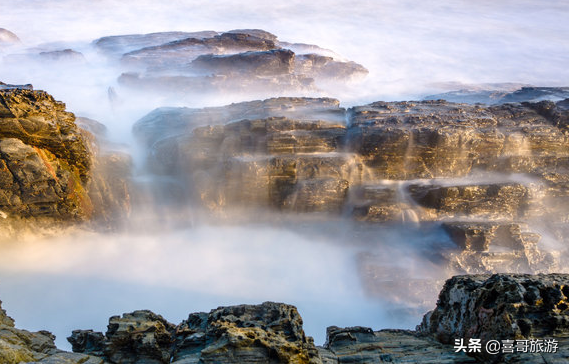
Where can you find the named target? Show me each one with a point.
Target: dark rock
(500, 307)
(182, 51)
(497, 200)
(87, 342)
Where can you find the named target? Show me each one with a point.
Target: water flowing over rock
(488, 173)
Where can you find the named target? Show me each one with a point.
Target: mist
(411, 49)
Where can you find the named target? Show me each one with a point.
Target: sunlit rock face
(242, 60)
(47, 163)
(502, 307)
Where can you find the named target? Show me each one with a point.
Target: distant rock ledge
(498, 307)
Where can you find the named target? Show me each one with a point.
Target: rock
(5, 319)
(51, 171)
(276, 161)
(493, 97)
(139, 337)
(65, 55)
(487, 247)
(266, 63)
(363, 345)
(18, 345)
(270, 332)
(7, 37)
(497, 200)
(500, 307)
(182, 51)
(437, 139)
(242, 60)
(117, 45)
(87, 342)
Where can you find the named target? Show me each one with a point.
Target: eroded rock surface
(502, 307)
(48, 164)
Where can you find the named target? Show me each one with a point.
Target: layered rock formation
(242, 60)
(489, 173)
(47, 164)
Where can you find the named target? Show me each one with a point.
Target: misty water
(174, 267)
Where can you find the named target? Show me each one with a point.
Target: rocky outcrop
(47, 163)
(502, 307)
(514, 307)
(242, 60)
(21, 346)
(266, 333)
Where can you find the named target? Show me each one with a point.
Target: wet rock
(487, 247)
(500, 307)
(437, 139)
(242, 60)
(497, 200)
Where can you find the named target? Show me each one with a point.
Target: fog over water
(411, 48)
